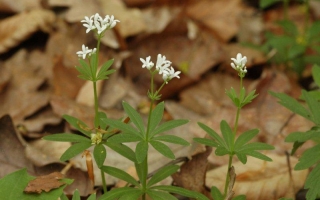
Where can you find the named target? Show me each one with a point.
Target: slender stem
(227, 177)
(96, 104)
(104, 184)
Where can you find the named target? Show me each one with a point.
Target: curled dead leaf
(44, 183)
(260, 179)
(15, 29)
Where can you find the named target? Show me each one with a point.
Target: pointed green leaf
(292, 104)
(239, 197)
(104, 69)
(76, 123)
(244, 138)
(141, 151)
(216, 194)
(124, 137)
(76, 195)
(206, 141)
(289, 27)
(134, 116)
(162, 174)
(156, 116)
(74, 150)
(120, 174)
(221, 151)
(266, 3)
(117, 193)
(255, 146)
(172, 139)
(242, 157)
(132, 195)
(181, 191)
(303, 136)
(314, 106)
(313, 183)
(258, 155)
(86, 68)
(99, 154)
(122, 150)
(308, 158)
(249, 98)
(168, 126)
(84, 74)
(94, 65)
(163, 149)
(66, 137)
(141, 168)
(227, 134)
(125, 128)
(104, 75)
(213, 134)
(63, 197)
(159, 195)
(316, 72)
(92, 197)
(99, 121)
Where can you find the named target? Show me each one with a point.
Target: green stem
(104, 184)
(234, 132)
(96, 103)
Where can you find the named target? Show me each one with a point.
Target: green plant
(309, 109)
(296, 47)
(228, 144)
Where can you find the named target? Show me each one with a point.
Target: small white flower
(146, 63)
(111, 22)
(84, 52)
(93, 51)
(88, 23)
(162, 64)
(239, 63)
(170, 74)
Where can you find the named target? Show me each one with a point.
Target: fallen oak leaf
(45, 183)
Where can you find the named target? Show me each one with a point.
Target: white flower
(110, 21)
(239, 63)
(169, 74)
(146, 63)
(88, 23)
(162, 64)
(84, 52)
(93, 51)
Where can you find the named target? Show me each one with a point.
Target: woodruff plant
(113, 133)
(228, 144)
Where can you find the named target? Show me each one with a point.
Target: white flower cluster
(96, 22)
(239, 64)
(85, 51)
(162, 66)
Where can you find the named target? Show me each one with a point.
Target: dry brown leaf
(17, 6)
(43, 152)
(15, 29)
(44, 183)
(5, 76)
(260, 179)
(192, 174)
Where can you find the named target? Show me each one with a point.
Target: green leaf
(74, 150)
(76, 195)
(66, 137)
(118, 173)
(168, 126)
(122, 150)
(213, 134)
(125, 128)
(316, 73)
(239, 197)
(76, 123)
(141, 168)
(124, 137)
(13, 185)
(84, 74)
(227, 134)
(221, 151)
(162, 174)
(104, 70)
(296, 50)
(255, 146)
(163, 149)
(292, 104)
(313, 183)
(118, 192)
(63, 197)
(258, 155)
(289, 27)
(303, 136)
(206, 141)
(233, 96)
(172, 139)
(314, 106)
(134, 116)
(141, 151)
(216, 194)
(99, 154)
(181, 191)
(308, 158)
(92, 197)
(242, 157)
(244, 138)
(249, 98)
(156, 116)
(295, 147)
(94, 65)
(313, 31)
(132, 195)
(159, 195)
(100, 121)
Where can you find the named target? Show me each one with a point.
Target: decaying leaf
(192, 174)
(17, 6)
(44, 183)
(15, 29)
(260, 179)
